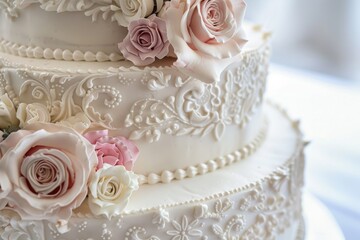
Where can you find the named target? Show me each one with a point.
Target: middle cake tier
(182, 125)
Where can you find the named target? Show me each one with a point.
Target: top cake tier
(143, 31)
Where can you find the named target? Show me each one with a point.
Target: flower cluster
(49, 169)
(197, 32)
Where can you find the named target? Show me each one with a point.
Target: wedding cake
(142, 119)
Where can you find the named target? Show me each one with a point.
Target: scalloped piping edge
(210, 166)
(300, 145)
(57, 54)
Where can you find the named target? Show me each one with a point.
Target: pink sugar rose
(205, 33)
(45, 170)
(146, 40)
(113, 150)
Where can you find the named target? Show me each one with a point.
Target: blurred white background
(319, 35)
(315, 73)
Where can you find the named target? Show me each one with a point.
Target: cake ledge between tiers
(256, 35)
(81, 67)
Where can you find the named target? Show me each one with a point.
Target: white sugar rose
(110, 190)
(45, 171)
(205, 33)
(128, 11)
(32, 113)
(7, 112)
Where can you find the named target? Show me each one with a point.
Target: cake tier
(46, 29)
(259, 198)
(181, 125)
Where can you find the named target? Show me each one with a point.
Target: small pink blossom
(146, 40)
(113, 150)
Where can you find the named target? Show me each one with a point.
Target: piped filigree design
(9, 8)
(199, 109)
(66, 95)
(105, 9)
(194, 110)
(12, 227)
(137, 233)
(166, 101)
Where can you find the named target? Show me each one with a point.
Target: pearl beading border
(37, 52)
(210, 166)
(57, 54)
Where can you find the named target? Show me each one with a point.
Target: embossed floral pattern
(184, 230)
(161, 218)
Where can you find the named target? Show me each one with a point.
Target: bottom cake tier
(257, 198)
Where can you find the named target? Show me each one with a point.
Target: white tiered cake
(142, 119)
